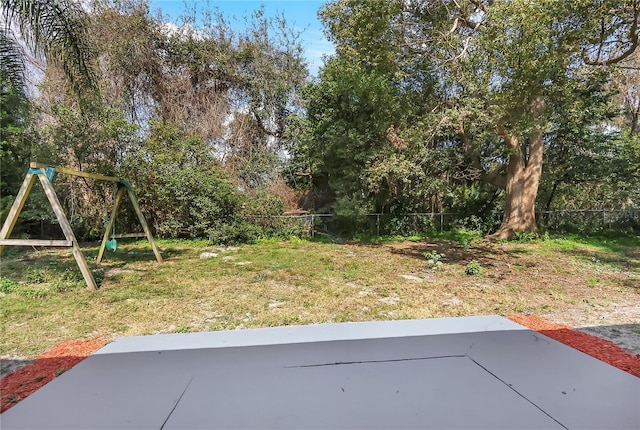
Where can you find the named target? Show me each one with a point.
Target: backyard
(587, 283)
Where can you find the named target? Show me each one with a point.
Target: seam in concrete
(340, 363)
(177, 402)
(516, 391)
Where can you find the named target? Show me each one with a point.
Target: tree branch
(496, 177)
(633, 38)
(509, 140)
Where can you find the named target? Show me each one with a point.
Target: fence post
(441, 221)
(378, 224)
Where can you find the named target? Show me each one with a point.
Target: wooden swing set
(45, 174)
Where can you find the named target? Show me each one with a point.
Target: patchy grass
(201, 287)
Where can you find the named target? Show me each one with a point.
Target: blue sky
(301, 14)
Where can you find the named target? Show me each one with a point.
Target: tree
(53, 29)
(15, 145)
(359, 145)
(507, 73)
(183, 109)
(628, 85)
(518, 71)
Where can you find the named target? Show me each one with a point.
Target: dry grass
(572, 281)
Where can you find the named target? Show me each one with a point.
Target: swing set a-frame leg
(17, 206)
(122, 188)
(71, 241)
(112, 220)
(68, 231)
(145, 227)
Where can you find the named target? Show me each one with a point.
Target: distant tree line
(450, 106)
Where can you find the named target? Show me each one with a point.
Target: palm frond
(12, 67)
(56, 30)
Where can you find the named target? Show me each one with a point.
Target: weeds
(524, 236)
(60, 371)
(8, 286)
(473, 268)
(433, 259)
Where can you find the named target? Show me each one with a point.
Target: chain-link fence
(416, 223)
(589, 220)
(379, 224)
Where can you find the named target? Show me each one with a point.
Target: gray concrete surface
(474, 372)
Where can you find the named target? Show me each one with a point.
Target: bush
(235, 233)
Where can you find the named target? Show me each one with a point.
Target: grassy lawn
(201, 287)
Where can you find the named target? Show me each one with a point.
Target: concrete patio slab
(474, 372)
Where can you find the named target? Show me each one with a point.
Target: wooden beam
(112, 220)
(35, 242)
(145, 227)
(73, 172)
(128, 235)
(17, 206)
(68, 232)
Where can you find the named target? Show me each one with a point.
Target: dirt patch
(625, 336)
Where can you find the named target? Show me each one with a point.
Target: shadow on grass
(621, 253)
(26, 269)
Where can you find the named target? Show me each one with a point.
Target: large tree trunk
(523, 178)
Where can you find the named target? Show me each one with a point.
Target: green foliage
(387, 133)
(462, 236)
(193, 203)
(524, 236)
(100, 141)
(7, 285)
(433, 259)
(189, 196)
(60, 371)
(55, 29)
(194, 119)
(15, 143)
(408, 225)
(473, 268)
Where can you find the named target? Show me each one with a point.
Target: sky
(301, 14)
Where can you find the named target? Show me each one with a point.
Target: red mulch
(22, 382)
(601, 349)
(63, 356)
